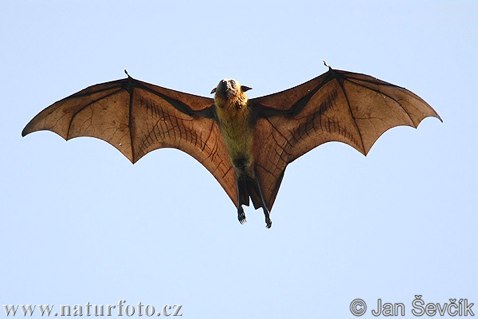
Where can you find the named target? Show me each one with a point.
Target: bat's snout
(229, 88)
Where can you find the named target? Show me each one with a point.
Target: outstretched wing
(137, 117)
(336, 106)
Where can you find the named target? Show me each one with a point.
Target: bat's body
(245, 144)
(236, 124)
(234, 119)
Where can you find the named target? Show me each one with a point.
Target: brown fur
(234, 121)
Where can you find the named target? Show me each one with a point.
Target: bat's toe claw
(267, 218)
(241, 216)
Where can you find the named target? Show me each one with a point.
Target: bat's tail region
(249, 187)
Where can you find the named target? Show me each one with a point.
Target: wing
(137, 117)
(336, 106)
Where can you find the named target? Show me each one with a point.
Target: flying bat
(246, 144)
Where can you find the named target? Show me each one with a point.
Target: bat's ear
(245, 88)
(213, 91)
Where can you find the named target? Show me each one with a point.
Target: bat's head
(228, 89)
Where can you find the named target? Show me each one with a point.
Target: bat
(246, 144)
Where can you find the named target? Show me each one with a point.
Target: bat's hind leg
(258, 190)
(267, 214)
(241, 216)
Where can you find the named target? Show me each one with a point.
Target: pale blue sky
(81, 224)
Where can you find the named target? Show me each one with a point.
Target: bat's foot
(241, 216)
(268, 219)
